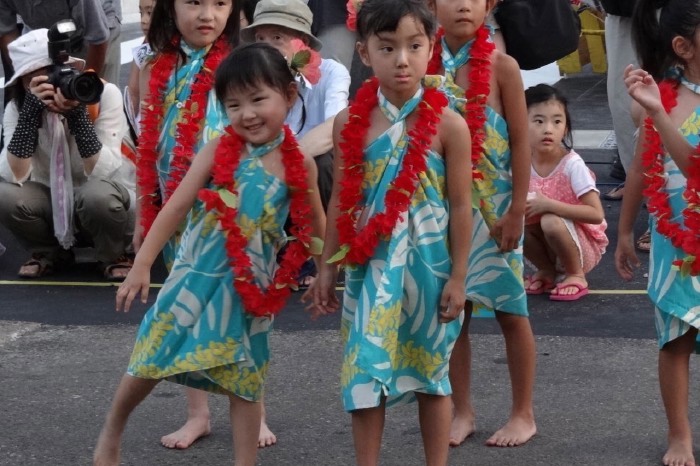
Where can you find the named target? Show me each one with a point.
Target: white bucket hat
(291, 14)
(30, 52)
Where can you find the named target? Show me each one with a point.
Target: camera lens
(84, 87)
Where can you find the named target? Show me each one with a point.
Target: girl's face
(399, 58)
(146, 10)
(257, 113)
(547, 126)
(201, 22)
(279, 37)
(462, 18)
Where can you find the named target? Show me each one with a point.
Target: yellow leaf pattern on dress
(691, 126)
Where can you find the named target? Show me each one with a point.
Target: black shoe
(617, 171)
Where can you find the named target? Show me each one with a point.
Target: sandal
(616, 193)
(644, 242)
(118, 270)
(546, 285)
(36, 267)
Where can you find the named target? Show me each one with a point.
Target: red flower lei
(688, 238)
(359, 246)
(479, 88)
(259, 302)
(193, 118)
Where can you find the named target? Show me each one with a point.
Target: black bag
(619, 7)
(538, 32)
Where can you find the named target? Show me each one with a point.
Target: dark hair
(163, 28)
(251, 65)
(544, 93)
(377, 16)
(248, 9)
(653, 34)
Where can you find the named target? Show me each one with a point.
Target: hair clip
(305, 61)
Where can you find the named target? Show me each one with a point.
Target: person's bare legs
(536, 250)
(435, 414)
(266, 438)
(245, 425)
(564, 247)
(367, 430)
(463, 420)
(197, 424)
(520, 352)
(130, 392)
(673, 378)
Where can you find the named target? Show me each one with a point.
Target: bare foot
(516, 432)
(679, 453)
(266, 438)
(461, 429)
(194, 429)
(107, 450)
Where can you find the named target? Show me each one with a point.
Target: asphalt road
(63, 348)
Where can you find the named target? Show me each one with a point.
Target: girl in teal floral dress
(485, 85)
(400, 220)
(667, 166)
(208, 328)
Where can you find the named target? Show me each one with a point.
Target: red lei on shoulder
(479, 88)
(187, 130)
(360, 245)
(688, 238)
(257, 302)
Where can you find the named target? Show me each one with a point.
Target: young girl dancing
(565, 223)
(402, 159)
(485, 86)
(668, 161)
(226, 265)
(179, 114)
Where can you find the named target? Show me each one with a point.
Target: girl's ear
(361, 47)
(683, 48)
(490, 5)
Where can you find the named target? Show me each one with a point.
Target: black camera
(86, 86)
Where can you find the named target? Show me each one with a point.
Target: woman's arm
(318, 216)
(591, 211)
(510, 226)
(644, 90)
(138, 280)
(625, 258)
(323, 289)
(456, 143)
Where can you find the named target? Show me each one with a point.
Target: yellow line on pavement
(47, 283)
(160, 285)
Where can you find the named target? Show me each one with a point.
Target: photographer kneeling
(63, 169)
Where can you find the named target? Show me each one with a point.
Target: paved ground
(63, 349)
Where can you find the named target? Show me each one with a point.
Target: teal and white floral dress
(394, 344)
(178, 91)
(197, 333)
(676, 298)
(494, 278)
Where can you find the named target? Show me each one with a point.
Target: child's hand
(626, 260)
(322, 293)
(508, 230)
(642, 88)
(537, 204)
(137, 281)
(452, 300)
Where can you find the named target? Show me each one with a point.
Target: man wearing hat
(278, 22)
(64, 175)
